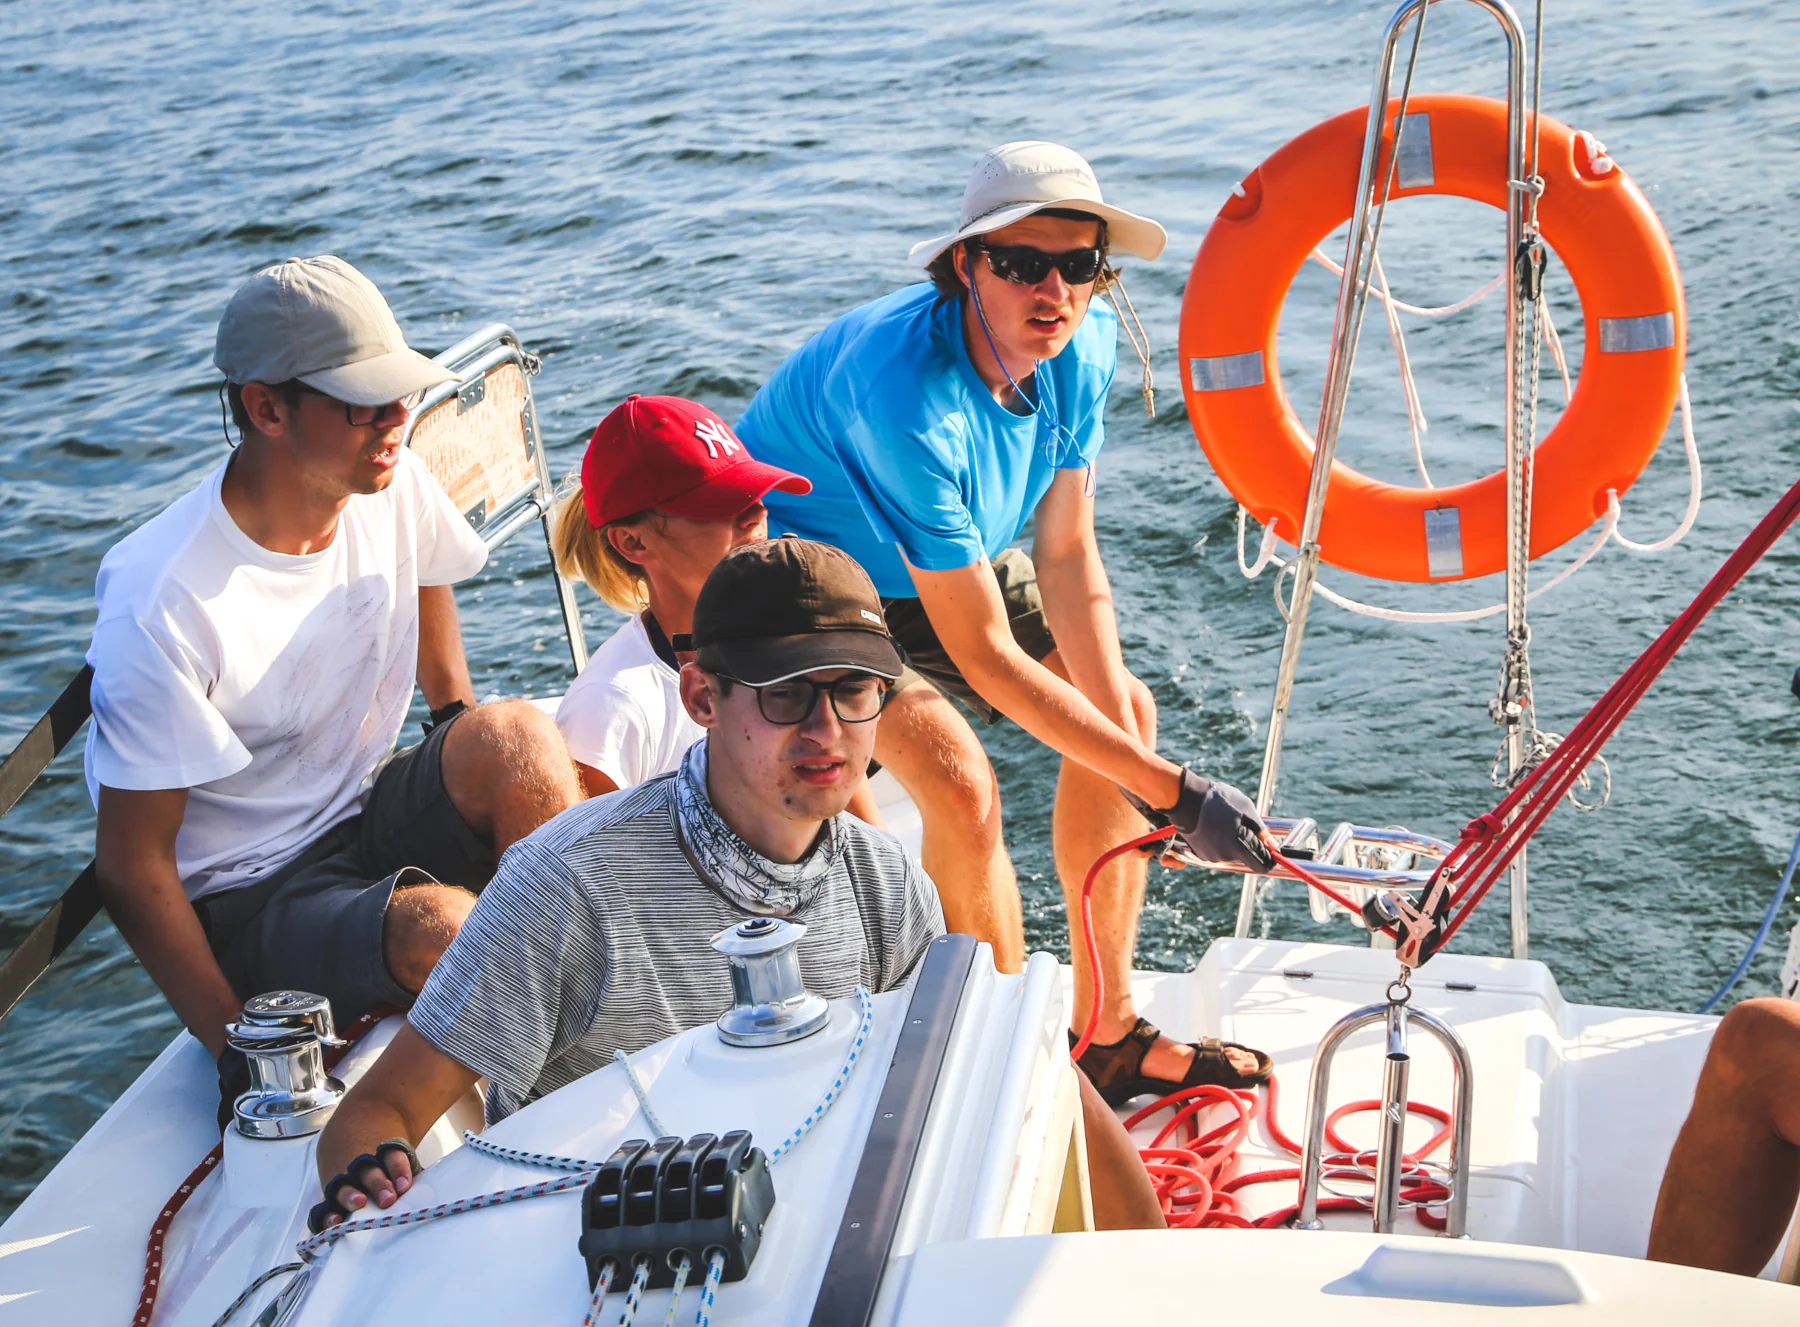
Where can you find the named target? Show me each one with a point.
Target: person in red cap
(666, 491)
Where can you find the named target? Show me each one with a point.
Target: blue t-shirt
(907, 449)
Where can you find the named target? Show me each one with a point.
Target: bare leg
(420, 923)
(507, 771)
(1092, 816)
(1124, 1198)
(1734, 1174)
(941, 763)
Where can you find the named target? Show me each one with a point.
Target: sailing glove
(1216, 821)
(365, 1175)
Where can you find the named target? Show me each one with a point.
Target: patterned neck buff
(733, 867)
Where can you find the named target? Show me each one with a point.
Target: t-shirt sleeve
(521, 982)
(897, 461)
(605, 727)
(154, 726)
(449, 549)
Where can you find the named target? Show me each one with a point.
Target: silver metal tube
(1390, 1154)
(1318, 1091)
(1462, 1116)
(1353, 292)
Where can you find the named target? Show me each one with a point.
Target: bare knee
(1757, 1044)
(508, 770)
(509, 736)
(420, 923)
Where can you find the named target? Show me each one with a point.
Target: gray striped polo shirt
(593, 936)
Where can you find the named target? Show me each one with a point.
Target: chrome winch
(770, 1002)
(283, 1035)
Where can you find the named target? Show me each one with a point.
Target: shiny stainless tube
(1390, 1153)
(1353, 294)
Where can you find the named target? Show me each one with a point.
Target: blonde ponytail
(584, 553)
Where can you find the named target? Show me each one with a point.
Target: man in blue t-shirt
(935, 424)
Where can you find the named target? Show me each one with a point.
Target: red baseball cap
(673, 455)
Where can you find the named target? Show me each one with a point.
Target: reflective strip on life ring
(1600, 227)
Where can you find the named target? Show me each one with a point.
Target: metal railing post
(1353, 293)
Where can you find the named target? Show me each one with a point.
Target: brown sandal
(1116, 1068)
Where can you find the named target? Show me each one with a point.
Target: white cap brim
(1126, 231)
(381, 379)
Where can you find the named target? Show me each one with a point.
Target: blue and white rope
(520, 1157)
(314, 1249)
(715, 1271)
(836, 1089)
(682, 1269)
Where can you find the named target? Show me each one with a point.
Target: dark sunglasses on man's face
(361, 416)
(856, 698)
(1026, 266)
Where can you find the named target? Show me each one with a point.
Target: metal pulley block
(283, 1035)
(770, 1002)
(675, 1198)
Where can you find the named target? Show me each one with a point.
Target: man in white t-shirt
(254, 659)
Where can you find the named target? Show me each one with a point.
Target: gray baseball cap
(323, 322)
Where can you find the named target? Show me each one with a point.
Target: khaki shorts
(928, 661)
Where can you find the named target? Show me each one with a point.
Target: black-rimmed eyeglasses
(856, 698)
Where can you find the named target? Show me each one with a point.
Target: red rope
(1489, 843)
(159, 1229)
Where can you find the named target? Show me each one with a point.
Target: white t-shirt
(624, 714)
(268, 685)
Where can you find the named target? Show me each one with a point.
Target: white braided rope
(314, 1248)
(520, 1157)
(634, 1293)
(715, 1271)
(641, 1092)
(602, 1287)
(298, 1269)
(1319, 256)
(682, 1269)
(1267, 554)
(817, 1113)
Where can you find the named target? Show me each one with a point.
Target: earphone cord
(1041, 404)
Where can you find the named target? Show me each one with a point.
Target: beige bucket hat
(323, 322)
(1017, 179)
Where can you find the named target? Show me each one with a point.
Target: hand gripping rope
(314, 1250)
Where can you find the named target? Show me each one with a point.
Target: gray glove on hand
(1216, 821)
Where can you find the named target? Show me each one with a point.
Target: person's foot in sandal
(1146, 1063)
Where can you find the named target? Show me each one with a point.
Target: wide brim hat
(1015, 180)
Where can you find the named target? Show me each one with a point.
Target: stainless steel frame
(1390, 1159)
(472, 359)
(1359, 256)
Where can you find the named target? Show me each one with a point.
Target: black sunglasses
(1026, 266)
(856, 698)
(361, 416)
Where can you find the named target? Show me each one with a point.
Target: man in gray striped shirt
(594, 935)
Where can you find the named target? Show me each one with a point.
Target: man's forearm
(443, 667)
(158, 922)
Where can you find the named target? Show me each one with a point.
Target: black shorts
(316, 923)
(928, 661)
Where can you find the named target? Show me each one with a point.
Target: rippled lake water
(669, 197)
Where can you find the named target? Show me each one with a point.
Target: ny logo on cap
(712, 433)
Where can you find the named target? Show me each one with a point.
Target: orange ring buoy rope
(1593, 217)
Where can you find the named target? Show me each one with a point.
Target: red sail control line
(1490, 842)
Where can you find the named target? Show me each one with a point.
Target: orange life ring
(1600, 227)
